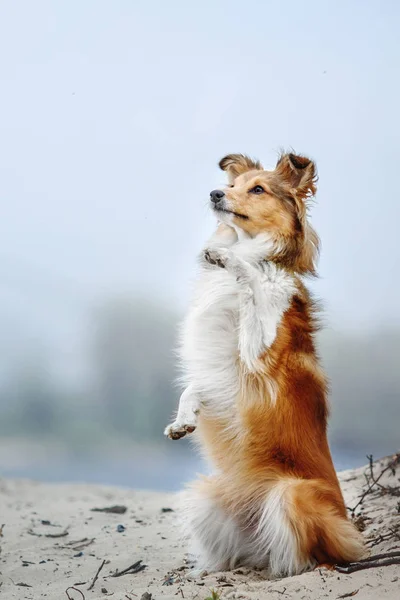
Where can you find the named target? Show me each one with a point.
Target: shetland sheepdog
(255, 394)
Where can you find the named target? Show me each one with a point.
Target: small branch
(57, 535)
(76, 590)
(78, 545)
(118, 509)
(379, 556)
(135, 568)
(91, 586)
(373, 482)
(380, 560)
(49, 535)
(392, 534)
(75, 542)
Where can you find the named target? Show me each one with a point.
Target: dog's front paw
(217, 256)
(178, 430)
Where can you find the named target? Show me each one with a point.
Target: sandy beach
(53, 544)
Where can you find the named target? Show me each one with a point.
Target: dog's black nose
(216, 196)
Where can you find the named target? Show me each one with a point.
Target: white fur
(215, 539)
(219, 542)
(275, 538)
(236, 310)
(234, 315)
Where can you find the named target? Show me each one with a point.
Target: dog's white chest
(209, 349)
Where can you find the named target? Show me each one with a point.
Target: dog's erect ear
(236, 164)
(299, 172)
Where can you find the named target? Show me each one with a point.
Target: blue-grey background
(113, 116)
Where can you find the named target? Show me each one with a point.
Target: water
(161, 470)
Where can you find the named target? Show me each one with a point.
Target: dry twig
(91, 586)
(393, 533)
(374, 482)
(76, 590)
(135, 568)
(379, 560)
(79, 544)
(116, 510)
(49, 535)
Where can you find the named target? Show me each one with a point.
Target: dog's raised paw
(216, 257)
(176, 431)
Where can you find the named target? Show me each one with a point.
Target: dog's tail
(303, 523)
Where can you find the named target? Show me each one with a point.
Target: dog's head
(273, 202)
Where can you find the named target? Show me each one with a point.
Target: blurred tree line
(130, 391)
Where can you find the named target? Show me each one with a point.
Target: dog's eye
(231, 185)
(257, 189)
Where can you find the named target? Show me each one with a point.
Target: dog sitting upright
(255, 391)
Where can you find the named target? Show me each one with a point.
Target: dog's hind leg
(302, 523)
(215, 539)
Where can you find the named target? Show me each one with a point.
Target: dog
(255, 393)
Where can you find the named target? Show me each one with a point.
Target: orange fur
(282, 408)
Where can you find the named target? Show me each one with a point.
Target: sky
(113, 116)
